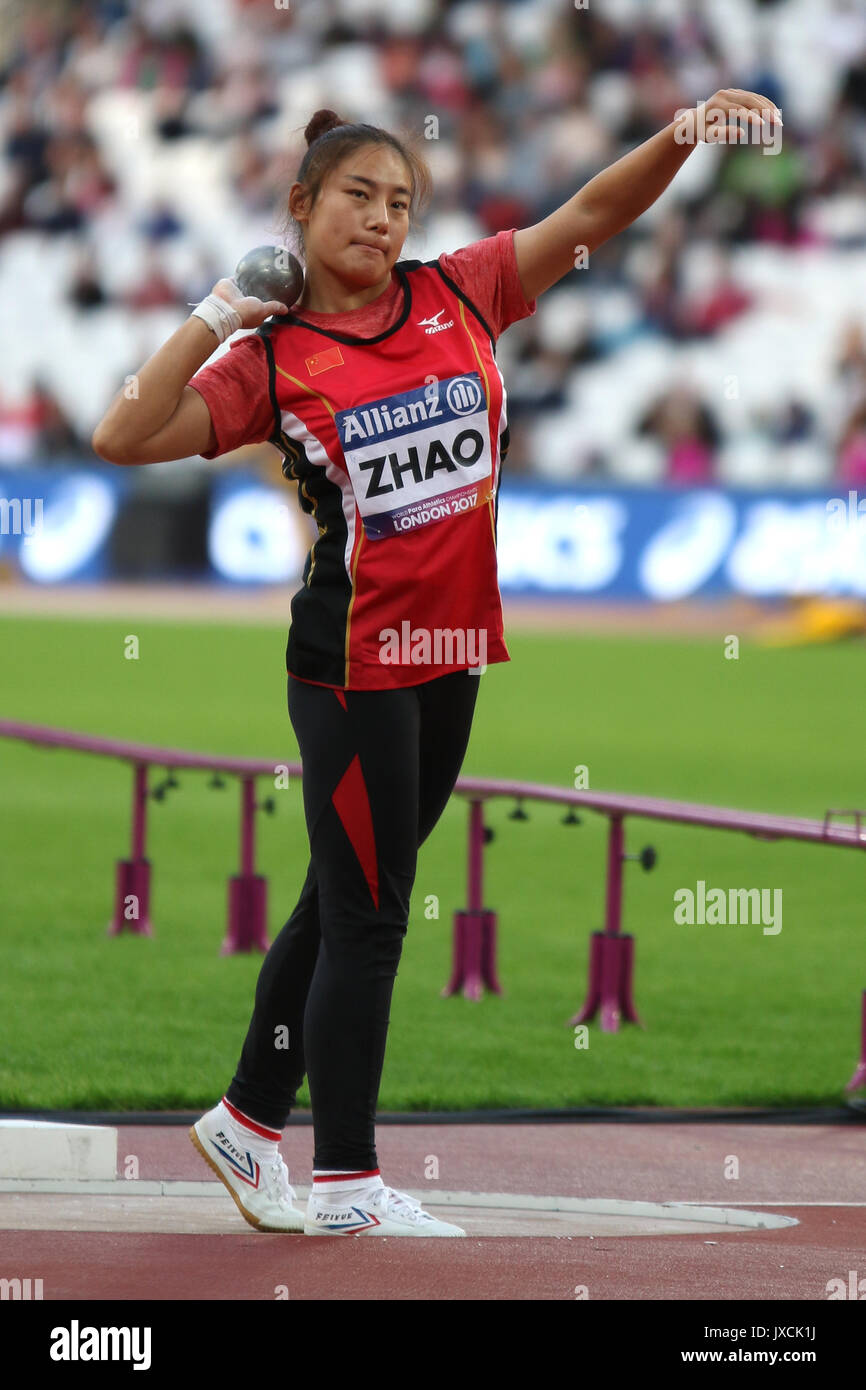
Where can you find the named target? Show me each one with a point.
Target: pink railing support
(248, 891)
(613, 906)
(611, 958)
(859, 1077)
(132, 876)
(474, 961)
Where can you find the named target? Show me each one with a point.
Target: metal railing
(611, 961)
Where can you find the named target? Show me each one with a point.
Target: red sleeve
(235, 390)
(486, 272)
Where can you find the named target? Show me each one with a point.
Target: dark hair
(329, 139)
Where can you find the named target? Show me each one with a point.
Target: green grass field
(732, 1016)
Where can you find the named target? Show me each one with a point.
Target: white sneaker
(379, 1211)
(257, 1178)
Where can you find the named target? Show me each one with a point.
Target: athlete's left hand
(730, 110)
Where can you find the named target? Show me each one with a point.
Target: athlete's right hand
(252, 311)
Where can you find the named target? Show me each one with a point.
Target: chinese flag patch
(323, 360)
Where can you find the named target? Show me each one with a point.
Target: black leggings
(378, 769)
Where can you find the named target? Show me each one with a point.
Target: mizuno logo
(434, 325)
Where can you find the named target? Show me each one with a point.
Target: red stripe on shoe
(251, 1124)
(353, 807)
(347, 1177)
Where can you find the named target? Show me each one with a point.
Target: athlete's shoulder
(460, 284)
(266, 330)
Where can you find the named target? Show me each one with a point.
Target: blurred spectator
(34, 427)
(90, 186)
(66, 184)
(170, 108)
(64, 108)
(54, 432)
(154, 289)
(206, 272)
(850, 367)
(85, 289)
(852, 94)
(48, 205)
(660, 290)
(18, 429)
(25, 138)
(173, 60)
(851, 456)
(91, 56)
(767, 189)
(253, 175)
(247, 96)
(714, 306)
(791, 423)
(162, 222)
(686, 429)
(541, 382)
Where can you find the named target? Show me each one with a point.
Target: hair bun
(321, 122)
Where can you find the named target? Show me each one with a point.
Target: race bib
(419, 457)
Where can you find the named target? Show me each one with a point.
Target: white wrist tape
(219, 316)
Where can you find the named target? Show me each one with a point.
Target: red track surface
(653, 1162)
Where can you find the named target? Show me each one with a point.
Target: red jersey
(396, 441)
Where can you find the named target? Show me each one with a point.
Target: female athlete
(380, 388)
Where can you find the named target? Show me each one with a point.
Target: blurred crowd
(531, 99)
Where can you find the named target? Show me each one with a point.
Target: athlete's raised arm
(619, 194)
(164, 418)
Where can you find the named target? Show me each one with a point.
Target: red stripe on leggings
(353, 807)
